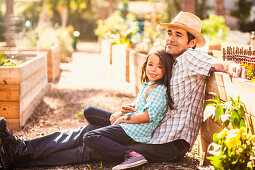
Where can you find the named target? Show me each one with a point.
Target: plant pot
(22, 88)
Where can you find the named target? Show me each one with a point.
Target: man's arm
(229, 67)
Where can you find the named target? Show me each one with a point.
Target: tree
(188, 6)
(243, 10)
(219, 7)
(201, 8)
(8, 17)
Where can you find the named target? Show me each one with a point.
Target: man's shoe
(9, 146)
(131, 161)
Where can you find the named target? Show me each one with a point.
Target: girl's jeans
(97, 141)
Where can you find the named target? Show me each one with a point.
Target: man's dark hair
(191, 37)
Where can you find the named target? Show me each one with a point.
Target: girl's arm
(124, 109)
(135, 118)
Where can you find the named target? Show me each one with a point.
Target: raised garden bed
(222, 85)
(53, 61)
(22, 88)
(136, 60)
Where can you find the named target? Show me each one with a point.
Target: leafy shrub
(231, 148)
(117, 29)
(48, 37)
(215, 29)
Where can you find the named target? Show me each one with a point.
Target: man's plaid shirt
(188, 92)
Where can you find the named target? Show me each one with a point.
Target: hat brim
(198, 35)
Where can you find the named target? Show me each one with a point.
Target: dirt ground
(87, 80)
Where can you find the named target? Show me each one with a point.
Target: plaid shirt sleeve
(156, 102)
(198, 63)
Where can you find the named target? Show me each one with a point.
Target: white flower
(209, 111)
(225, 117)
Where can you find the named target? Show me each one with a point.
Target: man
(174, 136)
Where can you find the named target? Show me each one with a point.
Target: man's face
(177, 41)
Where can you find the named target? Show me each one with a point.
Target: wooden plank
(14, 75)
(119, 61)
(9, 75)
(26, 100)
(215, 84)
(13, 124)
(31, 107)
(10, 110)
(246, 90)
(31, 81)
(9, 92)
(33, 65)
(56, 58)
(127, 65)
(136, 61)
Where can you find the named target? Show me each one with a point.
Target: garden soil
(87, 79)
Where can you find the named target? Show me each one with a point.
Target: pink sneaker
(130, 161)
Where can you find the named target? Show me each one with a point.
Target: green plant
(117, 29)
(215, 29)
(79, 115)
(243, 10)
(231, 148)
(8, 62)
(250, 70)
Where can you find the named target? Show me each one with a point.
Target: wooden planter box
(120, 62)
(224, 87)
(136, 60)
(106, 51)
(53, 61)
(22, 88)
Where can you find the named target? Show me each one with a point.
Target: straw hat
(190, 23)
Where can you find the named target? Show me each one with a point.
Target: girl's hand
(118, 121)
(115, 116)
(127, 108)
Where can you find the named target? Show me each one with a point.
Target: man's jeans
(70, 146)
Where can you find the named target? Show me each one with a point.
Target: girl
(137, 124)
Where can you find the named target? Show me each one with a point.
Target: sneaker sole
(132, 165)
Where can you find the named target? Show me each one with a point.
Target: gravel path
(86, 80)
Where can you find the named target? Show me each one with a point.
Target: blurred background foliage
(113, 19)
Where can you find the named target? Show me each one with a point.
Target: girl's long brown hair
(167, 61)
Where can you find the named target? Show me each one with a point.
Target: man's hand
(115, 116)
(127, 108)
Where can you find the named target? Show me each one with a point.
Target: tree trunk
(219, 7)
(188, 6)
(110, 7)
(99, 11)
(8, 19)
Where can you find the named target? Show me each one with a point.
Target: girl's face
(154, 70)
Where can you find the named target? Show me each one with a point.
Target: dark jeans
(73, 147)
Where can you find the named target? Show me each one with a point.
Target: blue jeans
(73, 147)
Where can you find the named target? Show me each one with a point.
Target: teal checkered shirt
(156, 103)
